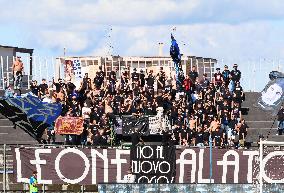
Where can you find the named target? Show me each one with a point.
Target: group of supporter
(199, 109)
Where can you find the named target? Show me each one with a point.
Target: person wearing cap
(33, 183)
(226, 75)
(218, 78)
(18, 69)
(134, 77)
(235, 74)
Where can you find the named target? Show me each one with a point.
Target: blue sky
(229, 30)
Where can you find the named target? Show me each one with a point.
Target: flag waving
(30, 113)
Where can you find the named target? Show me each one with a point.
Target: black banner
(130, 123)
(153, 164)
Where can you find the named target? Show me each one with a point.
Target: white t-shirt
(86, 112)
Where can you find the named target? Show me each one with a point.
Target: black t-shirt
(236, 75)
(217, 135)
(135, 76)
(43, 88)
(160, 101)
(280, 115)
(193, 75)
(238, 91)
(35, 90)
(184, 133)
(142, 79)
(150, 80)
(232, 123)
(243, 129)
(112, 76)
(199, 137)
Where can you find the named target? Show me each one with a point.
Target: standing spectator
(280, 119)
(161, 79)
(142, 78)
(187, 84)
(226, 75)
(199, 137)
(235, 75)
(238, 94)
(43, 88)
(218, 78)
(150, 83)
(243, 129)
(193, 74)
(218, 137)
(134, 77)
(35, 88)
(17, 69)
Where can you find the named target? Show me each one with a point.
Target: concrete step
(262, 124)
(5, 122)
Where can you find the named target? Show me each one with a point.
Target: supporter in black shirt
(112, 75)
(199, 137)
(183, 135)
(280, 119)
(160, 100)
(238, 93)
(236, 74)
(204, 82)
(43, 87)
(218, 137)
(193, 74)
(150, 82)
(243, 130)
(142, 78)
(35, 88)
(135, 76)
(58, 85)
(161, 79)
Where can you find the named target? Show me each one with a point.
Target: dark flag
(30, 113)
(130, 123)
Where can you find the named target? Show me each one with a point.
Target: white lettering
(182, 162)
(119, 161)
(82, 155)
(169, 167)
(251, 154)
(103, 156)
(19, 167)
(227, 163)
(200, 178)
(39, 162)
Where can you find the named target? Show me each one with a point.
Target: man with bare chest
(17, 68)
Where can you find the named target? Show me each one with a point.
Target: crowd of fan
(197, 108)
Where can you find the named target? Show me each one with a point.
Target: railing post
(4, 173)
